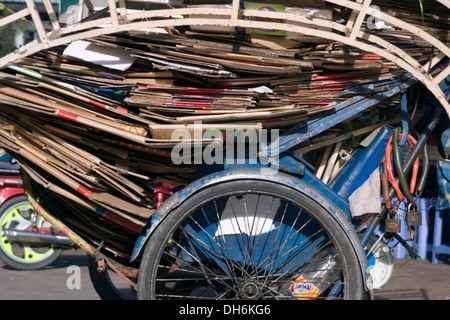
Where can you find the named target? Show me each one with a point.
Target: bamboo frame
(355, 35)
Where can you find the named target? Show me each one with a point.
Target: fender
(256, 174)
(5, 194)
(10, 186)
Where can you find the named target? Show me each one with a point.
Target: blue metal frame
(361, 165)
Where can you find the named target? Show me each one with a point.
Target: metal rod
(35, 237)
(121, 270)
(63, 228)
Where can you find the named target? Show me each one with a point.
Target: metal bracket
(101, 265)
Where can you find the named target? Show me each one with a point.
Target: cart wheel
(108, 285)
(14, 213)
(249, 240)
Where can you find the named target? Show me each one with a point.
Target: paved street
(49, 283)
(417, 280)
(412, 280)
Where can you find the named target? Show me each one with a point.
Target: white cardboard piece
(109, 57)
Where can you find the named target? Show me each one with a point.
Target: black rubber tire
(104, 286)
(161, 237)
(17, 264)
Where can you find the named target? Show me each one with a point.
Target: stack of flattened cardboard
(94, 121)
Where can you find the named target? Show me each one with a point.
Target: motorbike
(27, 241)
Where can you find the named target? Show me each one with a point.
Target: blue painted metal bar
(361, 165)
(422, 232)
(365, 89)
(343, 111)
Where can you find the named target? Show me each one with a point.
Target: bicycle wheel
(249, 240)
(14, 213)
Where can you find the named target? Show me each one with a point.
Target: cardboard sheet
(108, 57)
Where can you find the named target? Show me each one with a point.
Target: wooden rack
(351, 33)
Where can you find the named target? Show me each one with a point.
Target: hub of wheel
(249, 290)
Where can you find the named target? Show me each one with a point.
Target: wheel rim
(16, 217)
(252, 246)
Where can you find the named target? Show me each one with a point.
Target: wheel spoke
(202, 268)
